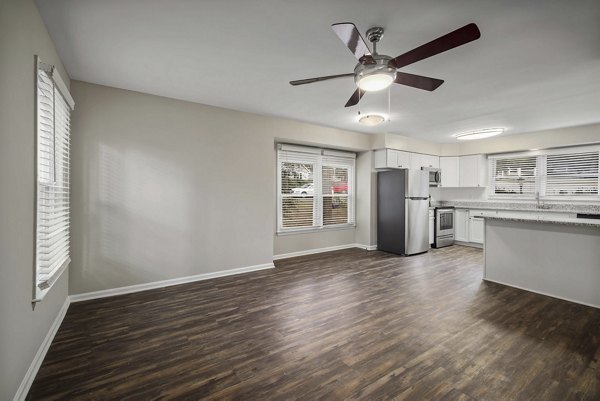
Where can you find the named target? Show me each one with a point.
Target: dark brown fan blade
(354, 99)
(319, 79)
(417, 81)
(449, 41)
(348, 34)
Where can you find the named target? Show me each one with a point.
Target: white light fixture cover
(371, 119)
(479, 134)
(375, 82)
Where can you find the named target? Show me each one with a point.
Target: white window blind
(572, 174)
(567, 173)
(513, 176)
(54, 106)
(315, 188)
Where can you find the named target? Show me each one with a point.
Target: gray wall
(22, 330)
(366, 200)
(163, 188)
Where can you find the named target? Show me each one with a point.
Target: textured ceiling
(536, 66)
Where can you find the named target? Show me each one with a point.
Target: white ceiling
(536, 66)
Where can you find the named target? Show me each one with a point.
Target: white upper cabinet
(392, 158)
(464, 171)
(416, 160)
(449, 165)
(430, 161)
(472, 171)
(403, 159)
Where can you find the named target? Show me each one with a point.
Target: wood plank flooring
(346, 325)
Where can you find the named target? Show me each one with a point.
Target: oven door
(444, 222)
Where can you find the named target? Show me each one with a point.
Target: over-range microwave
(435, 176)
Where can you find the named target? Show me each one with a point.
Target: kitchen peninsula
(555, 257)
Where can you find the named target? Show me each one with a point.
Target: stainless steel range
(444, 227)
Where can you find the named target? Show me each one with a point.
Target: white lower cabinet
(476, 229)
(431, 227)
(468, 226)
(461, 225)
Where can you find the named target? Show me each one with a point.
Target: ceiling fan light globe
(371, 120)
(375, 82)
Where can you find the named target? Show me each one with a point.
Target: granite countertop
(524, 206)
(570, 222)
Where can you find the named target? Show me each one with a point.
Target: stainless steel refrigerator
(403, 211)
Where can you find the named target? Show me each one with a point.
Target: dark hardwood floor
(338, 326)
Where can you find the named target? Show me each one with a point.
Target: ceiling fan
(377, 71)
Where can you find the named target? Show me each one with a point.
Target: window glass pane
(335, 180)
(297, 178)
(335, 195)
(297, 211)
(515, 176)
(297, 190)
(574, 174)
(335, 210)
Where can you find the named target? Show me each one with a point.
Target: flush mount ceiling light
(371, 119)
(479, 134)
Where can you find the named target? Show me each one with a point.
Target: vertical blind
(315, 188)
(53, 176)
(553, 174)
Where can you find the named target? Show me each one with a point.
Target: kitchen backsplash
(451, 194)
(477, 197)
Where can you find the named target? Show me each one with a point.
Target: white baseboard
(471, 244)
(166, 283)
(321, 250)
(27, 381)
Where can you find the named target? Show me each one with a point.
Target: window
(569, 173)
(53, 111)
(514, 176)
(572, 174)
(315, 188)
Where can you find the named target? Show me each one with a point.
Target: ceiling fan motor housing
(373, 77)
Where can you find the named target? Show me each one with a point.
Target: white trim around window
(315, 189)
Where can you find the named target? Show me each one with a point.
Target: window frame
(321, 155)
(40, 289)
(492, 176)
(542, 174)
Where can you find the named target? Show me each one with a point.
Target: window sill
(40, 293)
(316, 229)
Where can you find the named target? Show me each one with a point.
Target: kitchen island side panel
(559, 260)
